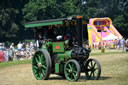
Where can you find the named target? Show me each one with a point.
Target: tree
(8, 25)
(14, 14)
(40, 10)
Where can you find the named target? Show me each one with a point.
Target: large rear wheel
(72, 70)
(92, 69)
(41, 64)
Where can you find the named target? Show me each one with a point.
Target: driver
(39, 40)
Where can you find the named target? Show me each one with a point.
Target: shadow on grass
(56, 78)
(104, 78)
(101, 78)
(82, 78)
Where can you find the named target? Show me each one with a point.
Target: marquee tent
(110, 37)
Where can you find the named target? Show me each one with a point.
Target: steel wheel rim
(71, 71)
(39, 66)
(92, 70)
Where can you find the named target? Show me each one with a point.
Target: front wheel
(72, 70)
(92, 69)
(41, 64)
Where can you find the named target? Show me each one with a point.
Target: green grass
(105, 53)
(13, 63)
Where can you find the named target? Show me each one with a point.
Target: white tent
(110, 37)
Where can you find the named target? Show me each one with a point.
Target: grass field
(114, 65)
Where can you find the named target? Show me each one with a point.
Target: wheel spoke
(75, 72)
(95, 72)
(73, 67)
(70, 66)
(67, 73)
(35, 67)
(40, 74)
(89, 66)
(44, 66)
(91, 63)
(68, 76)
(74, 75)
(43, 58)
(94, 76)
(44, 62)
(36, 59)
(91, 74)
(43, 71)
(35, 70)
(67, 69)
(89, 70)
(71, 76)
(40, 59)
(94, 65)
(36, 75)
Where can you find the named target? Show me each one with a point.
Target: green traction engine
(66, 57)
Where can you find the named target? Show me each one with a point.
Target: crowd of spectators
(26, 50)
(114, 44)
(19, 51)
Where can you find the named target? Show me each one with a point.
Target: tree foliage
(8, 26)
(14, 13)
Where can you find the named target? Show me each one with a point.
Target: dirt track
(22, 75)
(111, 73)
(16, 75)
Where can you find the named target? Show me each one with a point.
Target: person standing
(12, 47)
(12, 52)
(1, 47)
(126, 44)
(27, 46)
(19, 46)
(118, 44)
(31, 48)
(122, 43)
